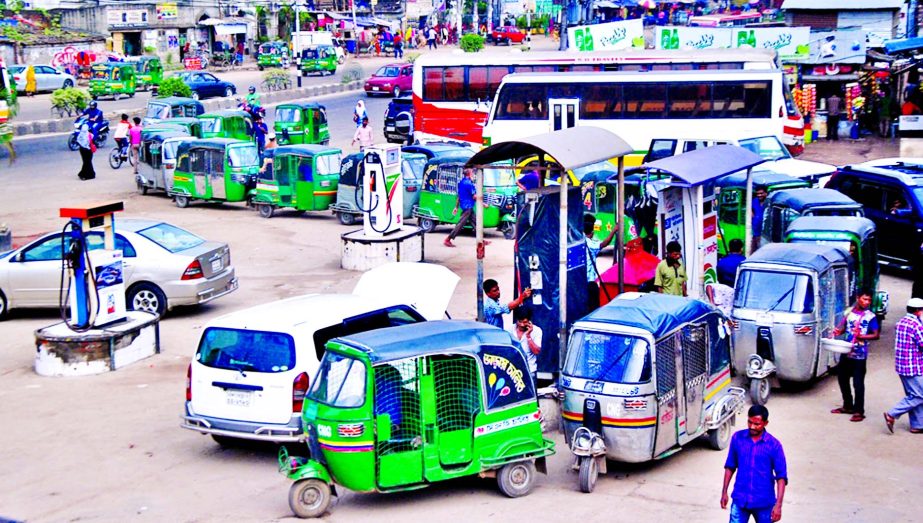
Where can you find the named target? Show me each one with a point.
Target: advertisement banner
(607, 37)
(790, 42)
(692, 38)
(844, 46)
(131, 18)
(167, 11)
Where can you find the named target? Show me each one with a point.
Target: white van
(252, 368)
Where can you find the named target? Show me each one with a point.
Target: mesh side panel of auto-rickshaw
(695, 348)
(457, 400)
(666, 367)
(397, 393)
(448, 177)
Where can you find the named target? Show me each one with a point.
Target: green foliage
(169, 59)
(173, 86)
(69, 101)
(352, 73)
(471, 43)
(13, 33)
(150, 49)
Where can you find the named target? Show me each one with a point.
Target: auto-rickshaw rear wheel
(346, 218)
(516, 479)
(589, 472)
(309, 498)
(427, 224)
(759, 391)
(266, 210)
(719, 438)
(508, 230)
(181, 201)
(142, 189)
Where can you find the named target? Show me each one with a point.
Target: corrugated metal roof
(840, 5)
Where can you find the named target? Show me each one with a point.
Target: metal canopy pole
(748, 231)
(562, 269)
(619, 248)
(479, 236)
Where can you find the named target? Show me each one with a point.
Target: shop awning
(704, 165)
(227, 26)
(904, 45)
(850, 77)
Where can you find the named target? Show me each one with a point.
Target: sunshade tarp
(816, 257)
(906, 44)
(571, 148)
(656, 313)
(703, 165)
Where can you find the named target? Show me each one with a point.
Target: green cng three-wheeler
(229, 123)
(172, 107)
(784, 207)
(158, 159)
(112, 79)
(318, 59)
(214, 170)
(149, 72)
(301, 123)
(193, 126)
(273, 54)
(402, 407)
(302, 177)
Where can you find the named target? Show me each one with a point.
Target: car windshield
(918, 196)
(244, 156)
(288, 114)
(211, 125)
(328, 164)
(842, 244)
(17, 69)
(387, 71)
(246, 350)
(309, 53)
(155, 110)
(605, 356)
(774, 291)
(768, 147)
(101, 74)
(340, 381)
(171, 237)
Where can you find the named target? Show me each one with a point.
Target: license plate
(216, 265)
(374, 88)
(239, 398)
(389, 128)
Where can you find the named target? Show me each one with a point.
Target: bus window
(522, 69)
(454, 81)
(432, 84)
(477, 83)
(645, 101)
(494, 77)
(729, 99)
(515, 100)
(543, 69)
(690, 101)
(584, 68)
(601, 101)
(757, 98)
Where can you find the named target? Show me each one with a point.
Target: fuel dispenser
(382, 190)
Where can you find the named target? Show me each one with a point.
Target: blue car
(205, 85)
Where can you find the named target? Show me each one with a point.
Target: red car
(507, 35)
(392, 79)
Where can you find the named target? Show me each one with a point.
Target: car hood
(426, 286)
(797, 168)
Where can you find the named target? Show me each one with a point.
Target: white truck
(304, 39)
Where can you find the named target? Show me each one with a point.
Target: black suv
(891, 192)
(399, 121)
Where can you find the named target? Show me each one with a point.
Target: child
(121, 136)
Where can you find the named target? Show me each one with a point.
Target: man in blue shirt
(94, 117)
(493, 309)
(727, 266)
(759, 461)
(756, 223)
(466, 195)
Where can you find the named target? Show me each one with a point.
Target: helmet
(252, 89)
(93, 104)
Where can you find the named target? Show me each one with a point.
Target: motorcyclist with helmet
(94, 118)
(253, 98)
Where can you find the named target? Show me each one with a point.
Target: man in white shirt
(529, 337)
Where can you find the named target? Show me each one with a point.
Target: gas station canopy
(704, 165)
(571, 148)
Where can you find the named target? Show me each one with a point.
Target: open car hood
(426, 286)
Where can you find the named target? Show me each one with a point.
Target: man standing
(759, 461)
(727, 266)
(908, 362)
(833, 117)
(670, 276)
(756, 222)
(398, 46)
(861, 325)
(466, 194)
(134, 140)
(493, 309)
(529, 337)
(260, 130)
(363, 135)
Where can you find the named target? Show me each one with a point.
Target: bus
(452, 94)
(639, 106)
(726, 20)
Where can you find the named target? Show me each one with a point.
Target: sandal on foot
(841, 410)
(857, 417)
(889, 422)
(916, 431)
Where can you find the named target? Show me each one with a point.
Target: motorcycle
(99, 139)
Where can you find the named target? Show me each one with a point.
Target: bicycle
(119, 155)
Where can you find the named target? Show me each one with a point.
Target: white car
(47, 78)
(252, 368)
(163, 267)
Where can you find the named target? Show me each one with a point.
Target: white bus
(640, 106)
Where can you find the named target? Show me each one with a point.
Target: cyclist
(121, 136)
(94, 118)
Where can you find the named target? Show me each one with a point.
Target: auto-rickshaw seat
(399, 398)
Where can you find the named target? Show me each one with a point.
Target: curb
(213, 104)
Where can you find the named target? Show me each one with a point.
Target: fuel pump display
(382, 191)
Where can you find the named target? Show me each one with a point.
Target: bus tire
(309, 498)
(589, 472)
(516, 479)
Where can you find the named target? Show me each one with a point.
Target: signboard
(167, 11)
(791, 43)
(607, 37)
(692, 38)
(127, 18)
(845, 46)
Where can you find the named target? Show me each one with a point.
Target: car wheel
(309, 498)
(397, 92)
(516, 479)
(195, 95)
(260, 67)
(181, 201)
(147, 297)
(67, 84)
(4, 308)
(228, 92)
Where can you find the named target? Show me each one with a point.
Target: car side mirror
(383, 426)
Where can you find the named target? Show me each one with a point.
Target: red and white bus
(452, 94)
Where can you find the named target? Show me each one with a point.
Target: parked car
(253, 367)
(164, 267)
(399, 120)
(506, 35)
(392, 79)
(47, 78)
(206, 85)
(890, 191)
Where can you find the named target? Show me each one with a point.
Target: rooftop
(840, 5)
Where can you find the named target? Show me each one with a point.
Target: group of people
(127, 136)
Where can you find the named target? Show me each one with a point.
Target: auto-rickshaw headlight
(755, 362)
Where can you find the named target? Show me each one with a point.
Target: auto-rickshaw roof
(799, 199)
(165, 134)
(704, 165)
(212, 143)
(449, 158)
(184, 120)
(656, 313)
(225, 113)
(861, 227)
(767, 178)
(173, 101)
(427, 338)
(805, 255)
(434, 150)
(305, 150)
(302, 105)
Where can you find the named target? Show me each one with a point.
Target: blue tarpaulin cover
(656, 313)
(816, 257)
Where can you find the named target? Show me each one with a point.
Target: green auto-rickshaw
(214, 170)
(157, 158)
(172, 107)
(402, 407)
(273, 54)
(732, 198)
(229, 123)
(301, 123)
(148, 73)
(853, 234)
(112, 79)
(302, 177)
(349, 188)
(318, 59)
(439, 195)
(193, 126)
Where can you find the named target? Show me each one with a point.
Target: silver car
(47, 78)
(164, 267)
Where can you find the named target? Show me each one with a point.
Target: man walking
(465, 201)
(759, 461)
(908, 362)
(363, 135)
(670, 276)
(833, 117)
(861, 326)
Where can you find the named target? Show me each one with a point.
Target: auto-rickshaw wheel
(181, 201)
(266, 210)
(142, 189)
(346, 218)
(427, 224)
(719, 438)
(309, 498)
(260, 67)
(759, 391)
(509, 232)
(589, 472)
(516, 479)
